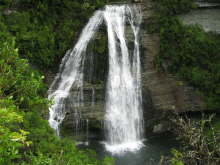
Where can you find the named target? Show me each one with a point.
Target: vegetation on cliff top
(188, 51)
(44, 30)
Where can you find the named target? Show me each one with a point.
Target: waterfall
(123, 118)
(71, 74)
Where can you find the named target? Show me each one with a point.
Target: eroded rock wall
(162, 92)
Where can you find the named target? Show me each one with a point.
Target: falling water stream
(71, 74)
(123, 117)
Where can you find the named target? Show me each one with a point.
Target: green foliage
(20, 91)
(12, 138)
(17, 79)
(25, 137)
(44, 30)
(189, 52)
(65, 152)
(173, 7)
(194, 56)
(199, 139)
(37, 32)
(176, 159)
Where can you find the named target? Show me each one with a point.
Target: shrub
(25, 137)
(200, 141)
(188, 51)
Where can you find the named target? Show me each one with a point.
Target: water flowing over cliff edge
(123, 119)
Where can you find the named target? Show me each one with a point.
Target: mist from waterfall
(124, 117)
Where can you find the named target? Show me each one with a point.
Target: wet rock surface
(162, 92)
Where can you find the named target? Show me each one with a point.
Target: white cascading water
(71, 74)
(123, 118)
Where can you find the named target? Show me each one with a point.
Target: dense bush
(44, 30)
(173, 7)
(192, 55)
(12, 137)
(36, 33)
(189, 52)
(25, 137)
(200, 142)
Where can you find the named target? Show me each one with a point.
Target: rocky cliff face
(162, 93)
